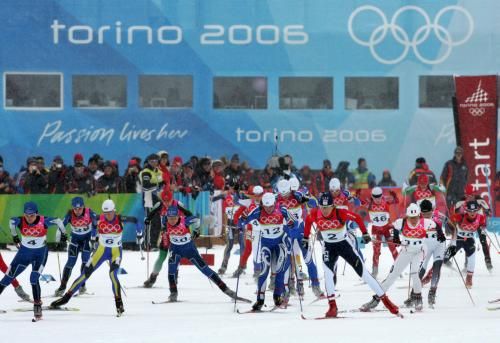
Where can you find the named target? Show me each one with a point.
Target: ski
(34, 320)
(2, 311)
(357, 310)
(272, 309)
(142, 286)
(243, 300)
(84, 294)
(48, 308)
(25, 301)
(320, 318)
(323, 297)
(494, 301)
(165, 302)
(493, 308)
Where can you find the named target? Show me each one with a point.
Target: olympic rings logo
(402, 37)
(477, 112)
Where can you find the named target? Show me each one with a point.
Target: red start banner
(478, 125)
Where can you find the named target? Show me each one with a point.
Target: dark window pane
(99, 91)
(34, 91)
(371, 93)
(165, 91)
(436, 91)
(240, 93)
(306, 93)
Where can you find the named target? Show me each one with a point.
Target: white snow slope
(206, 315)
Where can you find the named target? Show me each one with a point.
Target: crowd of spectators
(205, 174)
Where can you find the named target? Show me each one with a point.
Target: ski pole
(58, 264)
(463, 280)
(297, 276)
(409, 279)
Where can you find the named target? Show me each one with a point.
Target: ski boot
(370, 305)
(222, 270)
(151, 280)
(119, 306)
(389, 304)
(418, 301)
(172, 298)
(431, 297)
(468, 280)
(22, 294)
(411, 300)
(60, 291)
(257, 306)
(61, 301)
(37, 310)
(489, 266)
(278, 300)
(82, 290)
(238, 272)
(318, 293)
(332, 309)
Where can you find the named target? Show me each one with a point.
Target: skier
(81, 219)
(251, 232)
(277, 226)
(293, 202)
(330, 222)
(230, 206)
(164, 243)
(32, 250)
(435, 244)
(423, 190)
(378, 210)
(410, 233)
(463, 236)
(182, 246)
(109, 231)
(484, 208)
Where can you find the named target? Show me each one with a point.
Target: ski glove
(395, 238)
(441, 237)
(366, 238)
(139, 239)
(17, 241)
(451, 251)
(482, 237)
(64, 238)
(305, 243)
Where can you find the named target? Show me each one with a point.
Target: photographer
(35, 182)
(57, 176)
(80, 180)
(189, 185)
(109, 182)
(132, 177)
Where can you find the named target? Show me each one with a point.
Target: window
(33, 91)
(436, 91)
(99, 91)
(165, 91)
(371, 93)
(240, 93)
(306, 93)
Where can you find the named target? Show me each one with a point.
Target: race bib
(180, 239)
(272, 231)
(379, 218)
(33, 242)
(110, 241)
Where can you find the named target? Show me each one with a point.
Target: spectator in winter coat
(363, 178)
(233, 171)
(268, 178)
(132, 177)
(93, 167)
(79, 180)
(176, 174)
(189, 185)
(6, 182)
(344, 175)
(386, 180)
(454, 177)
(109, 182)
(57, 176)
(203, 175)
(421, 167)
(35, 182)
(218, 175)
(324, 176)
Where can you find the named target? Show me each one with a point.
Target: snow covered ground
(206, 315)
